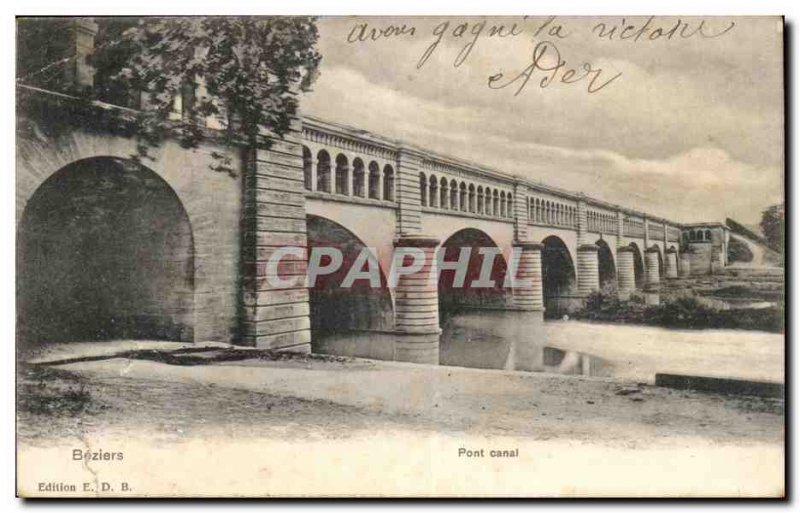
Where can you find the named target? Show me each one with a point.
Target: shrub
(682, 311)
(43, 391)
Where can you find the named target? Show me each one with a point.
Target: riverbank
(635, 353)
(307, 425)
(680, 311)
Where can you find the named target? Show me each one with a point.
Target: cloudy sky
(691, 128)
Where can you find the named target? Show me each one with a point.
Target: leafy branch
(245, 71)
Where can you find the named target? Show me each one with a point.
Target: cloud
(680, 140)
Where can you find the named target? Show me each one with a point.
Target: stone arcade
(110, 248)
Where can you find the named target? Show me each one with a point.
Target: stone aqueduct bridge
(169, 249)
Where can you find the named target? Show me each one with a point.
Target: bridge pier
(588, 269)
(274, 316)
(685, 265)
(626, 272)
(417, 302)
(588, 264)
(652, 276)
(529, 269)
(528, 333)
(671, 263)
(626, 275)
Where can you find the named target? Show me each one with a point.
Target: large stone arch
(336, 309)
(443, 224)
(606, 266)
(660, 260)
(105, 251)
(559, 277)
(212, 201)
(366, 220)
(638, 265)
(471, 293)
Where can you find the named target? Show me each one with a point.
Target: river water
(496, 340)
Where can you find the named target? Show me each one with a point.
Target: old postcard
(519, 256)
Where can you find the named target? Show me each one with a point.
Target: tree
(40, 56)
(247, 70)
(772, 226)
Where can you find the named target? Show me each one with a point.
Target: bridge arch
(337, 310)
(105, 250)
(559, 281)
(638, 265)
(606, 266)
(454, 296)
(212, 202)
(661, 269)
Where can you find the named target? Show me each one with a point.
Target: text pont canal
(493, 453)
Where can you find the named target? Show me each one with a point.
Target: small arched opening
(323, 171)
(433, 191)
(358, 177)
(388, 183)
(374, 180)
(307, 163)
(443, 195)
(342, 175)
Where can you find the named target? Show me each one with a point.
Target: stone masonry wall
(212, 201)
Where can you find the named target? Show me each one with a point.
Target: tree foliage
(41, 55)
(248, 71)
(773, 225)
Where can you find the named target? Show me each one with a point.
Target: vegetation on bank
(48, 391)
(682, 312)
(773, 226)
